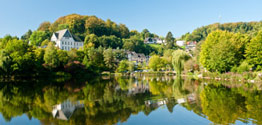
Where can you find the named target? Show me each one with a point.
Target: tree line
(224, 51)
(18, 58)
(92, 29)
(104, 46)
(200, 34)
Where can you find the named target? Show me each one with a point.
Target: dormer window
(67, 35)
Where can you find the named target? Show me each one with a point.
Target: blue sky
(158, 16)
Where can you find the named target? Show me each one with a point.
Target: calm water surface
(136, 100)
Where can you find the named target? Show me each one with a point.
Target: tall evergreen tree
(170, 43)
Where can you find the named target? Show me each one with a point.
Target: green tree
(51, 56)
(95, 26)
(62, 56)
(110, 41)
(137, 45)
(27, 35)
(39, 57)
(200, 34)
(72, 55)
(123, 66)
(254, 51)
(45, 42)
(45, 26)
(131, 66)
(120, 54)
(92, 38)
(170, 40)
(222, 50)
(95, 57)
(156, 63)
(38, 37)
(17, 50)
(109, 58)
(63, 26)
(168, 58)
(145, 33)
(5, 62)
(178, 60)
(124, 31)
(85, 61)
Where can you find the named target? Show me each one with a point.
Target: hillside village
(65, 40)
(94, 45)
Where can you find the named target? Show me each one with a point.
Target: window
(62, 47)
(62, 42)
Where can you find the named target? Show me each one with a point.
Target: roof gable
(66, 33)
(62, 33)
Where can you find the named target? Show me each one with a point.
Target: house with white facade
(150, 40)
(65, 40)
(180, 43)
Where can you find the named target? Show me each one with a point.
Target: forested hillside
(83, 25)
(92, 29)
(199, 34)
(105, 44)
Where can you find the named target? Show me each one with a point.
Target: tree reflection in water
(114, 100)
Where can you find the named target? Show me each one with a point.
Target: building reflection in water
(156, 103)
(66, 109)
(191, 98)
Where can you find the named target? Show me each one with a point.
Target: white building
(65, 40)
(159, 41)
(66, 109)
(150, 40)
(180, 43)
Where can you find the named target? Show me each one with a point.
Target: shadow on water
(114, 100)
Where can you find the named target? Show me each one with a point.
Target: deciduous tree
(51, 56)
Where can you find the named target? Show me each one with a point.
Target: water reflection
(65, 110)
(115, 100)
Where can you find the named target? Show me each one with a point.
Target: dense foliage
(18, 58)
(199, 34)
(156, 63)
(179, 57)
(222, 50)
(92, 29)
(254, 51)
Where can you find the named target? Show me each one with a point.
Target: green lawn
(155, 46)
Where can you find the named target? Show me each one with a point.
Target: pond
(128, 100)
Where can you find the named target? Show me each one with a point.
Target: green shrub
(244, 67)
